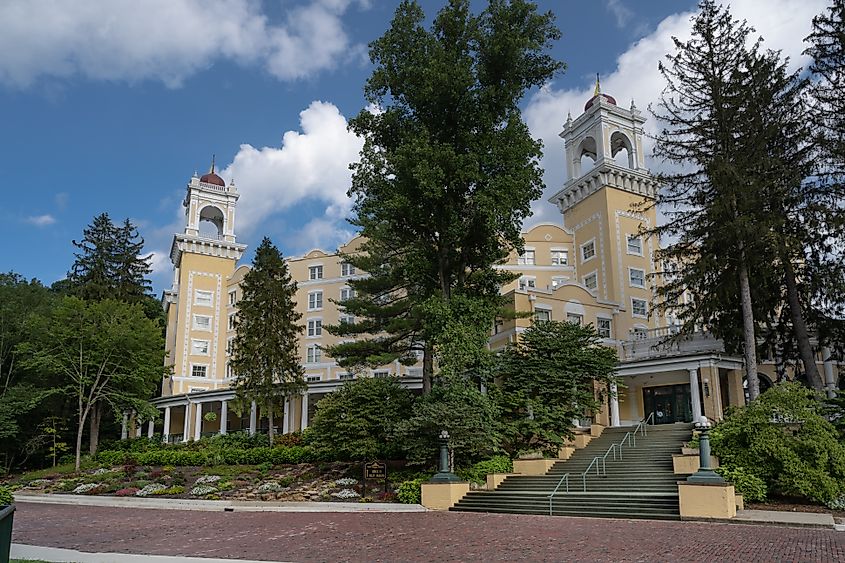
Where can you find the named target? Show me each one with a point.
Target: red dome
(607, 98)
(212, 178)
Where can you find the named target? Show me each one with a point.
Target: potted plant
(7, 513)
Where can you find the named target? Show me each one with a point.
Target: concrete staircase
(641, 484)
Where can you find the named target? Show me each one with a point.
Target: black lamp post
(705, 473)
(444, 475)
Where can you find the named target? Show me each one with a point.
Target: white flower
(202, 490)
(269, 487)
(346, 482)
(346, 493)
(85, 488)
(101, 471)
(208, 479)
(150, 489)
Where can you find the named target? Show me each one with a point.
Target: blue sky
(111, 106)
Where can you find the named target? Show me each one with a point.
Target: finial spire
(212, 165)
(598, 86)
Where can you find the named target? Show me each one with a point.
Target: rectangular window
(591, 281)
(199, 347)
(381, 373)
(574, 318)
(346, 293)
(230, 346)
(315, 327)
(195, 389)
(560, 257)
(345, 376)
(231, 324)
(203, 298)
(315, 272)
(312, 378)
(230, 371)
(635, 245)
(639, 307)
(198, 371)
(413, 372)
(233, 297)
(525, 283)
(348, 319)
(526, 258)
(347, 269)
(202, 322)
(313, 354)
(557, 282)
(636, 277)
(588, 251)
(603, 328)
(315, 300)
(640, 333)
(542, 315)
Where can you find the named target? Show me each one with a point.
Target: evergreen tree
(92, 275)
(447, 174)
(131, 270)
(265, 354)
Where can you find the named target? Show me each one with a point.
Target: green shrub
(750, 486)
(410, 492)
(185, 457)
(6, 497)
(478, 472)
(174, 490)
(838, 503)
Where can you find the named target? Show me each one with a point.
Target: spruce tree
(446, 177)
(92, 275)
(265, 353)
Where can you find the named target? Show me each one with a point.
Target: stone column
(829, 380)
(151, 426)
(198, 423)
(124, 426)
(166, 430)
(253, 418)
(187, 422)
(304, 418)
(224, 415)
(695, 394)
(286, 417)
(614, 405)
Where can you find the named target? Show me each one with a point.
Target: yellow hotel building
(593, 267)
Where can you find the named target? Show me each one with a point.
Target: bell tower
(607, 202)
(204, 257)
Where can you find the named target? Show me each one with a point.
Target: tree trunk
(750, 344)
(79, 442)
(94, 428)
(799, 328)
(270, 421)
(428, 368)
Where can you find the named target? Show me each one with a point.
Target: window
(348, 319)
(315, 272)
(313, 354)
(315, 300)
(381, 373)
(413, 372)
(542, 316)
(315, 327)
(560, 257)
(639, 307)
(526, 258)
(636, 277)
(635, 245)
(198, 371)
(199, 347)
(347, 269)
(346, 293)
(230, 371)
(312, 378)
(233, 297)
(202, 322)
(603, 328)
(230, 346)
(203, 298)
(574, 318)
(557, 282)
(345, 376)
(525, 283)
(231, 324)
(195, 389)
(640, 333)
(588, 250)
(591, 281)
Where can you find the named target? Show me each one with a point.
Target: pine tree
(92, 275)
(265, 353)
(131, 271)
(446, 177)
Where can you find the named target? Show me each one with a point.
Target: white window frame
(309, 378)
(230, 321)
(579, 316)
(315, 272)
(313, 354)
(315, 300)
(345, 376)
(196, 389)
(631, 277)
(593, 274)
(315, 330)
(348, 319)
(203, 298)
(346, 269)
(634, 252)
(609, 322)
(230, 345)
(381, 373)
(198, 326)
(633, 309)
(523, 259)
(346, 292)
(546, 310)
(230, 371)
(528, 281)
(203, 366)
(639, 333)
(565, 253)
(233, 298)
(584, 246)
(200, 341)
(558, 281)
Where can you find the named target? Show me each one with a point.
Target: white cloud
(40, 220)
(783, 24)
(166, 40)
(311, 165)
(620, 11)
(159, 262)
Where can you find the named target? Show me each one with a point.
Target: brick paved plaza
(413, 536)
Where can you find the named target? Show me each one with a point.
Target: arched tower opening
(587, 156)
(211, 222)
(622, 150)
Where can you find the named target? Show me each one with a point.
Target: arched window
(211, 222)
(622, 150)
(586, 155)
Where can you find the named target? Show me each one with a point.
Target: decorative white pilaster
(198, 423)
(286, 417)
(187, 422)
(695, 394)
(224, 416)
(151, 427)
(253, 418)
(614, 405)
(303, 421)
(829, 380)
(124, 426)
(166, 430)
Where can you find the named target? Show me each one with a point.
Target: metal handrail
(584, 474)
(642, 426)
(559, 483)
(631, 438)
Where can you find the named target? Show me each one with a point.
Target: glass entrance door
(669, 403)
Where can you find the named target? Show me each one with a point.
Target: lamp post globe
(444, 475)
(705, 473)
